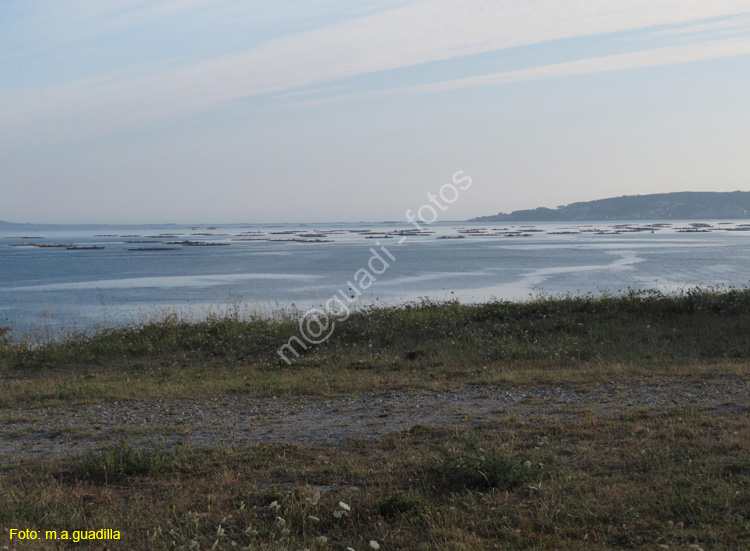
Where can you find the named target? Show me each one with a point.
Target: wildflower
(338, 514)
(527, 464)
(273, 505)
(374, 544)
(280, 521)
(344, 506)
(313, 519)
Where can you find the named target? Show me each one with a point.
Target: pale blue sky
(246, 111)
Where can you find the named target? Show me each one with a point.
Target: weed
(120, 460)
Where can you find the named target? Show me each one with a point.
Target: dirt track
(43, 432)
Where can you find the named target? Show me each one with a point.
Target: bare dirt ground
(49, 431)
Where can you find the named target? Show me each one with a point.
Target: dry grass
(322, 377)
(677, 480)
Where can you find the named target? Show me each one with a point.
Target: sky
(189, 111)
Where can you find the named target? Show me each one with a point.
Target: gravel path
(41, 432)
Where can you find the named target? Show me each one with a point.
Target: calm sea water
(57, 289)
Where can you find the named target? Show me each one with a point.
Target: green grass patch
(122, 459)
(481, 470)
(638, 325)
(402, 503)
(560, 340)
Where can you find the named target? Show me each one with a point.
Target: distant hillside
(27, 226)
(684, 205)
(8, 226)
(15, 226)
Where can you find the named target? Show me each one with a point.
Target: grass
(481, 469)
(671, 478)
(423, 345)
(656, 483)
(121, 460)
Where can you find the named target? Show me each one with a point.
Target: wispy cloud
(648, 58)
(673, 55)
(409, 35)
(737, 24)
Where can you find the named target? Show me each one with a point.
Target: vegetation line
(428, 345)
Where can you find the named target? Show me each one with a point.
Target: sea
(72, 279)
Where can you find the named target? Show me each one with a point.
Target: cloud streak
(738, 24)
(672, 55)
(703, 51)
